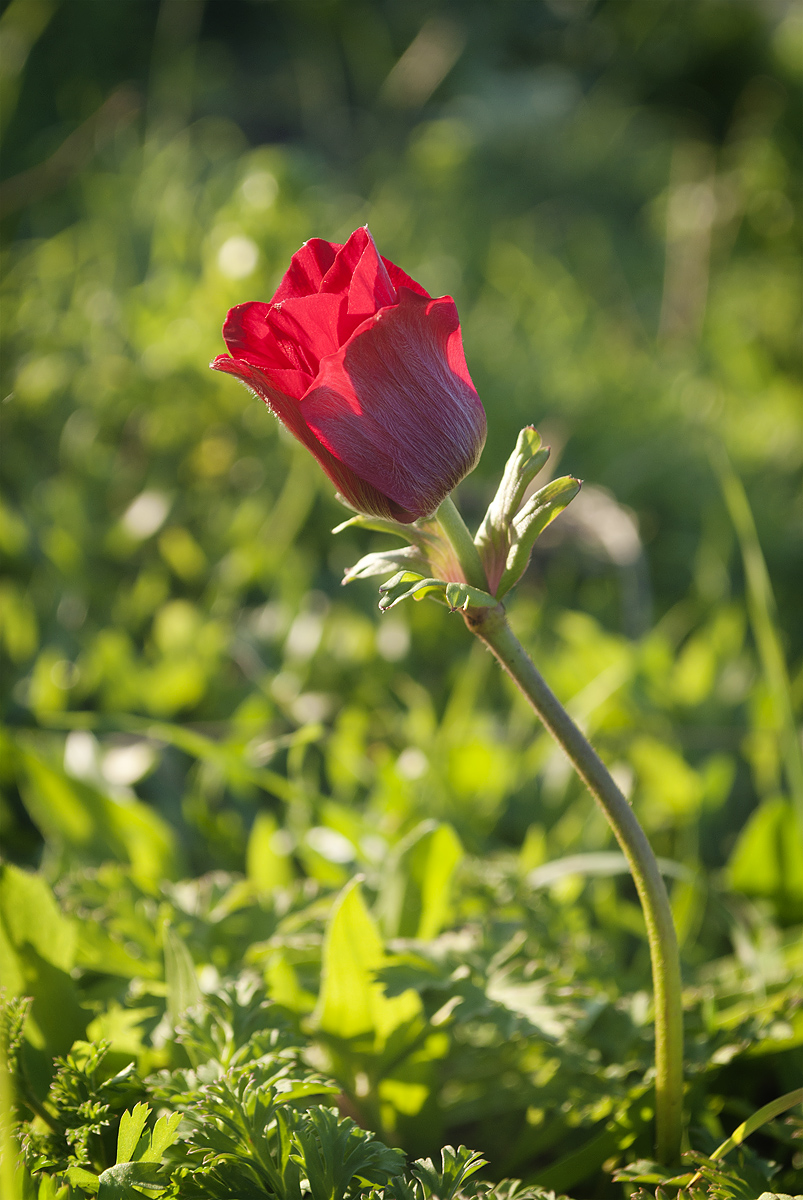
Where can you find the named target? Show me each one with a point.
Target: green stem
(491, 626)
(462, 543)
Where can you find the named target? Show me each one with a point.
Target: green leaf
(164, 1134)
(37, 952)
(82, 1178)
(764, 620)
(456, 1167)
(352, 1003)
(334, 1153)
(767, 859)
(128, 1134)
(768, 1113)
(384, 562)
(182, 982)
(31, 915)
(122, 1181)
(416, 889)
(268, 863)
(90, 825)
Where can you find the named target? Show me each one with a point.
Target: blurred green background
(608, 189)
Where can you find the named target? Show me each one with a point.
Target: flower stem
(491, 626)
(462, 543)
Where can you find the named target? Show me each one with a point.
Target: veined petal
(396, 404)
(359, 492)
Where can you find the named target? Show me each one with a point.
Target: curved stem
(462, 542)
(492, 627)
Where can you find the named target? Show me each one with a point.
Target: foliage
(308, 876)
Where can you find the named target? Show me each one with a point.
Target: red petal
(400, 279)
(360, 271)
(308, 328)
(397, 407)
(370, 288)
(339, 274)
(361, 494)
(307, 269)
(246, 331)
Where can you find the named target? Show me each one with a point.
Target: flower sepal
(382, 562)
(493, 535)
(528, 525)
(457, 597)
(512, 523)
(428, 551)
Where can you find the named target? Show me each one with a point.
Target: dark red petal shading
(308, 266)
(391, 407)
(362, 495)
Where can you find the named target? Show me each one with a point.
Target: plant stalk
(462, 543)
(491, 626)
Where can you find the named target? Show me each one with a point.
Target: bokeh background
(608, 191)
(608, 188)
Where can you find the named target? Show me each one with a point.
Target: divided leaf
(131, 1126)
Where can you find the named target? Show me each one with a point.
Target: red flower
(367, 370)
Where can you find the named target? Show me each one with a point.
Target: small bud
(506, 536)
(539, 511)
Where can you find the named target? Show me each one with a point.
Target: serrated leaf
(456, 1167)
(334, 1152)
(131, 1126)
(165, 1132)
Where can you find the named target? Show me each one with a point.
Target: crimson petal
(307, 269)
(400, 279)
(361, 494)
(396, 405)
(307, 327)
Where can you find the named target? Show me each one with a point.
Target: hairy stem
(491, 626)
(462, 543)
